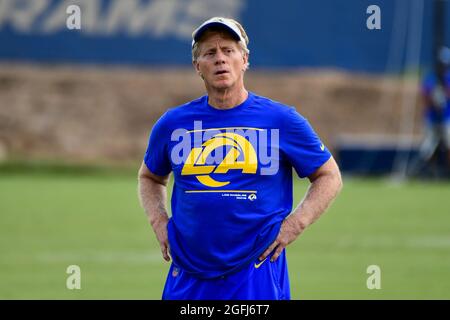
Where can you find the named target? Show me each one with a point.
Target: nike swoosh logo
(257, 265)
(322, 147)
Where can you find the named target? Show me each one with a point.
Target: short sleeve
(156, 157)
(301, 145)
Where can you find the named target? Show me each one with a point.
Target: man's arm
(153, 195)
(326, 183)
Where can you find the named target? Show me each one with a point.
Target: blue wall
(303, 33)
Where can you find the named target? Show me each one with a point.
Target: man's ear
(245, 59)
(196, 67)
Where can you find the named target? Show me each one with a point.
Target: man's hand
(289, 231)
(160, 229)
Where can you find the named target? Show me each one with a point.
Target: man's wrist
(303, 223)
(157, 219)
(300, 222)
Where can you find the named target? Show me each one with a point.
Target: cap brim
(202, 30)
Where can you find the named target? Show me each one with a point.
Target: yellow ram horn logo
(195, 162)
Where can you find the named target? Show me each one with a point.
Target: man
(436, 100)
(231, 153)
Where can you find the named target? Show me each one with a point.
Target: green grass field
(49, 221)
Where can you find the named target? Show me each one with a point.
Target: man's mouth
(220, 72)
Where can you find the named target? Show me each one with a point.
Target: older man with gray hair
(231, 153)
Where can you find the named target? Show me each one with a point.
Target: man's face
(221, 61)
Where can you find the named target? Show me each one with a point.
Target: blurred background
(77, 106)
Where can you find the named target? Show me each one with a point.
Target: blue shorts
(258, 281)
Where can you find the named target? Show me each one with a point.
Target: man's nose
(220, 57)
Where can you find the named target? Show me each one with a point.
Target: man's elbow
(334, 176)
(142, 179)
(146, 179)
(337, 181)
(146, 176)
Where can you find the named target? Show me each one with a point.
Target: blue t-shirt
(232, 178)
(429, 84)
